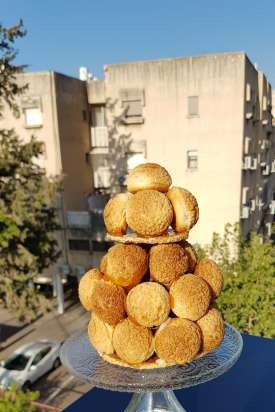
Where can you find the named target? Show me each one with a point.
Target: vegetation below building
(247, 300)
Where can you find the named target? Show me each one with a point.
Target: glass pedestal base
(165, 401)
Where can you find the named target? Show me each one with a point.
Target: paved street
(57, 388)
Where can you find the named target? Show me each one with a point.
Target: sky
(63, 35)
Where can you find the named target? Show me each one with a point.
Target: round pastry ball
(86, 286)
(190, 297)
(149, 213)
(178, 341)
(212, 329)
(192, 255)
(115, 214)
(167, 263)
(133, 343)
(108, 301)
(148, 304)
(186, 211)
(103, 264)
(101, 335)
(148, 176)
(125, 265)
(210, 271)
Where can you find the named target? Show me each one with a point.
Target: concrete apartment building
(207, 119)
(55, 109)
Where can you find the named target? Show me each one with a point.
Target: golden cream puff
(211, 273)
(86, 285)
(148, 176)
(115, 214)
(133, 343)
(108, 301)
(185, 206)
(149, 213)
(101, 335)
(212, 329)
(167, 263)
(148, 304)
(125, 265)
(178, 341)
(191, 253)
(190, 297)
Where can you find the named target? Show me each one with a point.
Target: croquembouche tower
(152, 302)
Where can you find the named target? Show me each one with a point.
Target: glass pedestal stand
(153, 389)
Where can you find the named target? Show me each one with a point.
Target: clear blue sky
(65, 34)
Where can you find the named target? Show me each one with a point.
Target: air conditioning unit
(266, 170)
(253, 164)
(247, 162)
(245, 212)
(252, 205)
(249, 115)
(272, 207)
(268, 228)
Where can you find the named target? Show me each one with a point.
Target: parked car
(28, 363)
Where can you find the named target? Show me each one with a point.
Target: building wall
(65, 132)
(217, 133)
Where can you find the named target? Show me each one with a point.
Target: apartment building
(55, 109)
(207, 119)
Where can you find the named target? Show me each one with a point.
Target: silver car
(28, 363)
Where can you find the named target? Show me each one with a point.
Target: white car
(28, 363)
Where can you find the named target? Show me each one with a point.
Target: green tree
(247, 300)
(27, 215)
(14, 400)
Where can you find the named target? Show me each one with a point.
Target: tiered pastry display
(152, 302)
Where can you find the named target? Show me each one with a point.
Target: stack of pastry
(152, 302)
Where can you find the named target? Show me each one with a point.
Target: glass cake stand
(153, 388)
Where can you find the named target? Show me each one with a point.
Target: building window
(193, 106)
(192, 159)
(33, 117)
(98, 116)
(79, 244)
(132, 101)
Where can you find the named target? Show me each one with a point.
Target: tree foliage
(14, 400)
(247, 300)
(27, 215)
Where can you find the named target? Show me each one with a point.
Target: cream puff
(115, 214)
(149, 213)
(86, 285)
(133, 343)
(125, 265)
(211, 273)
(190, 297)
(148, 176)
(148, 304)
(212, 329)
(101, 335)
(185, 206)
(178, 341)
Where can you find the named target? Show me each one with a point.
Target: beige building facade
(207, 119)
(55, 110)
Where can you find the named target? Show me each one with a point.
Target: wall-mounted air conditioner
(249, 115)
(252, 205)
(266, 170)
(245, 212)
(272, 207)
(247, 162)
